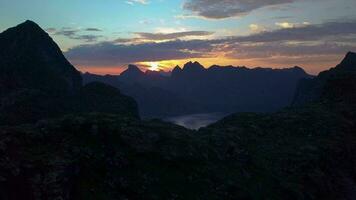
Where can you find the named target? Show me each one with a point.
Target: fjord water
(196, 121)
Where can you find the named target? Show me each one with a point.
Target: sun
(154, 66)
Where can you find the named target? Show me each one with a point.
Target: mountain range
(69, 141)
(195, 89)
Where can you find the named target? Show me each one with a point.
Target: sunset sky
(103, 36)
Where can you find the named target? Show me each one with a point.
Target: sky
(104, 36)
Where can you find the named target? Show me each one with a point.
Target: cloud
(124, 40)
(75, 34)
(111, 54)
(93, 29)
(285, 24)
(68, 33)
(322, 40)
(303, 33)
(141, 37)
(87, 38)
(219, 9)
(255, 28)
(297, 41)
(291, 25)
(132, 2)
(170, 36)
(284, 49)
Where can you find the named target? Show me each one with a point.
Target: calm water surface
(196, 121)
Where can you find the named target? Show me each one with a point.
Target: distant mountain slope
(195, 89)
(37, 82)
(98, 97)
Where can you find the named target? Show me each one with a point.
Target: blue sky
(113, 27)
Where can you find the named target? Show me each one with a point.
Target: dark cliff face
(328, 83)
(30, 59)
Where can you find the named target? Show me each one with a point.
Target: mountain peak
(132, 72)
(177, 70)
(30, 53)
(299, 69)
(29, 35)
(29, 23)
(133, 68)
(26, 28)
(196, 66)
(349, 62)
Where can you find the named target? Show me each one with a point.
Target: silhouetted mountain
(107, 79)
(217, 89)
(36, 80)
(99, 97)
(310, 90)
(133, 73)
(30, 59)
(349, 62)
(152, 73)
(151, 99)
(177, 70)
(191, 70)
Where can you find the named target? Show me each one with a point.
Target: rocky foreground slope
(303, 152)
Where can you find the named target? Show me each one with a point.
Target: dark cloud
(278, 49)
(87, 38)
(218, 9)
(93, 29)
(125, 40)
(66, 32)
(323, 39)
(144, 37)
(75, 34)
(304, 33)
(111, 54)
(170, 36)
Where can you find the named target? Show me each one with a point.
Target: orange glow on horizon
(311, 67)
(101, 70)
